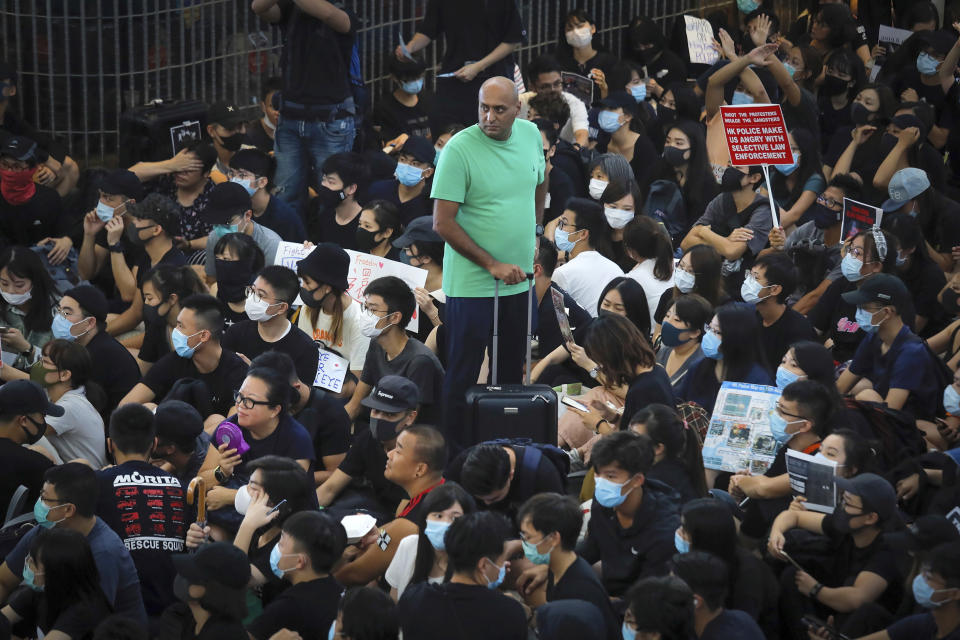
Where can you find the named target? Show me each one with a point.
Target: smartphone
(813, 622)
(570, 402)
(792, 561)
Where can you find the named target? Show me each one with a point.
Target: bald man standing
(489, 190)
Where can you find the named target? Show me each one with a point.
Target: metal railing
(83, 62)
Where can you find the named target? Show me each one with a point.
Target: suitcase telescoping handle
(496, 329)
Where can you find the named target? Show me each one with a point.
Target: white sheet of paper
(331, 371)
(700, 40)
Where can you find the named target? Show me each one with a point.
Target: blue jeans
(300, 143)
(469, 334)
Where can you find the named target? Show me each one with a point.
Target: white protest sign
(700, 41)
(288, 255)
(331, 370)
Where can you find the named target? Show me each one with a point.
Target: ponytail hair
(647, 240)
(680, 441)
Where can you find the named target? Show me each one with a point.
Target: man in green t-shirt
(489, 190)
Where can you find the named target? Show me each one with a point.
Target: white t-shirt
(584, 278)
(353, 344)
(578, 120)
(400, 571)
(643, 273)
(79, 432)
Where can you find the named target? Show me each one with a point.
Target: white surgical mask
(579, 37)
(16, 298)
(617, 218)
(368, 326)
(257, 309)
(597, 188)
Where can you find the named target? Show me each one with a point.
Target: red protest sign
(756, 134)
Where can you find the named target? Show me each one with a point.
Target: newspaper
(739, 437)
(579, 86)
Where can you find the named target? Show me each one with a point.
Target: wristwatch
(116, 247)
(219, 475)
(815, 590)
(594, 372)
(539, 230)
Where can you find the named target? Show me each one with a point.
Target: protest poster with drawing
(813, 478)
(739, 437)
(857, 217)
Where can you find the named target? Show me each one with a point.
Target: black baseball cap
(122, 182)
(178, 422)
(940, 41)
(91, 300)
(327, 263)
(926, 532)
(618, 100)
(19, 397)
(225, 114)
(21, 148)
(876, 493)
(881, 287)
(419, 230)
(218, 562)
(393, 394)
(226, 200)
(420, 148)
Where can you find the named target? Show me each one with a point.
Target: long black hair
(440, 499)
(70, 572)
(647, 240)
(680, 441)
(740, 340)
(810, 164)
(634, 301)
(710, 527)
(26, 264)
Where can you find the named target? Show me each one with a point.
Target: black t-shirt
(924, 280)
(322, 226)
(145, 506)
(805, 115)
(307, 41)
(388, 190)
(667, 69)
(366, 460)
(21, 466)
(416, 363)
(580, 582)
(472, 30)
(155, 341)
(221, 382)
(466, 612)
(307, 608)
(941, 224)
(395, 118)
(866, 159)
(328, 424)
(221, 629)
(548, 328)
(603, 60)
(561, 190)
(280, 217)
(79, 619)
(639, 551)
(174, 257)
(755, 592)
(776, 339)
(114, 367)
(732, 624)
(40, 217)
(289, 440)
(651, 387)
(244, 337)
(527, 480)
(832, 119)
(921, 625)
(257, 136)
(672, 473)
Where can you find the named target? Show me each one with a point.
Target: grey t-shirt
(760, 223)
(416, 363)
(266, 239)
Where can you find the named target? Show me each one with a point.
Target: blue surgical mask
(534, 556)
(245, 184)
(951, 400)
(333, 630)
(61, 328)
(747, 6)
(901, 260)
(412, 86)
(927, 64)
(684, 280)
(682, 545)
(41, 513)
(220, 230)
(865, 319)
(29, 578)
(500, 576)
(408, 175)
(608, 494)
(850, 267)
(435, 531)
(609, 121)
(739, 97)
(785, 378)
(923, 593)
(275, 555)
(787, 169)
(436, 158)
(710, 345)
(778, 428)
(562, 240)
(627, 632)
(104, 212)
(180, 340)
(790, 68)
(639, 92)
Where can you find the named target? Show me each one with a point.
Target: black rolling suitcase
(155, 131)
(510, 410)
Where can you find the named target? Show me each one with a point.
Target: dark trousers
(469, 327)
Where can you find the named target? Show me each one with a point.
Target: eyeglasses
(789, 415)
(566, 225)
(714, 330)
(248, 403)
(828, 202)
(366, 307)
(552, 85)
(250, 292)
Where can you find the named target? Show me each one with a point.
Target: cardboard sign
(813, 478)
(579, 86)
(756, 134)
(331, 370)
(890, 38)
(739, 437)
(857, 217)
(700, 41)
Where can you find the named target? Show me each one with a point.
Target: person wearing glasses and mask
(269, 299)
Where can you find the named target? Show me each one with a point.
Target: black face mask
(889, 141)
(181, 589)
(232, 143)
(666, 115)
(822, 216)
(384, 430)
(232, 279)
(151, 314)
(329, 198)
(732, 179)
(833, 86)
(674, 157)
(34, 438)
(309, 298)
(841, 520)
(859, 114)
(133, 234)
(366, 239)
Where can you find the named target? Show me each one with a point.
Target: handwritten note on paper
(331, 371)
(700, 41)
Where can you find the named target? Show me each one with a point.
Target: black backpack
(665, 204)
(532, 453)
(894, 432)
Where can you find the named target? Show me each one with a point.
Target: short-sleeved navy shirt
(289, 440)
(921, 625)
(326, 420)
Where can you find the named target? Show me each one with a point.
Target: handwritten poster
(331, 371)
(700, 41)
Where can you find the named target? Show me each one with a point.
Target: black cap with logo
(392, 395)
